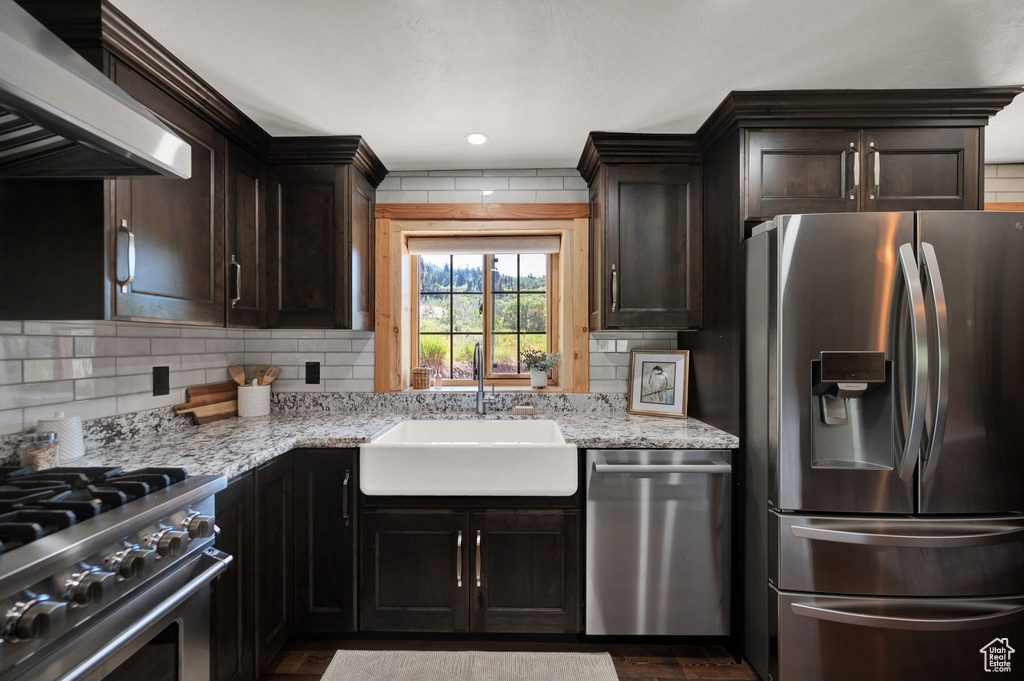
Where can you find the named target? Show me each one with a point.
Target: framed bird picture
(658, 381)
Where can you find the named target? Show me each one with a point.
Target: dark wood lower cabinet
(274, 559)
(492, 571)
(325, 525)
(233, 644)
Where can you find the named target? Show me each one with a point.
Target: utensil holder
(253, 400)
(69, 434)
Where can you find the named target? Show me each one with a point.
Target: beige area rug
(410, 665)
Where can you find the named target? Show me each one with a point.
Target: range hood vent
(61, 118)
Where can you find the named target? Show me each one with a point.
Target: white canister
(253, 400)
(69, 434)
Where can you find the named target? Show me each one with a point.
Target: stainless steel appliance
(60, 117)
(885, 445)
(658, 534)
(106, 574)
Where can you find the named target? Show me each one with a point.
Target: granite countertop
(235, 445)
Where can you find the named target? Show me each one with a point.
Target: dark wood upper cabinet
(361, 221)
(802, 171)
(274, 566)
(414, 571)
(325, 526)
(176, 225)
(246, 238)
(231, 634)
(923, 169)
(645, 232)
(528, 571)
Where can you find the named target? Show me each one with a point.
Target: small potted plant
(540, 364)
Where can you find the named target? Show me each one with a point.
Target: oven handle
(221, 562)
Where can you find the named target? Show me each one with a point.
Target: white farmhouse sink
(469, 458)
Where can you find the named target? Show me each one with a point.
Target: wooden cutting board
(211, 402)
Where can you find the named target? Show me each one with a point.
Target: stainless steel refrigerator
(884, 443)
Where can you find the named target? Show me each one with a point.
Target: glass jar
(39, 450)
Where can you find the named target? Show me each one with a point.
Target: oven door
(162, 634)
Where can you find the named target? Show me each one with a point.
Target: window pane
(468, 273)
(463, 355)
(435, 273)
(435, 353)
(468, 311)
(533, 312)
(504, 353)
(503, 274)
(538, 342)
(533, 272)
(435, 313)
(504, 312)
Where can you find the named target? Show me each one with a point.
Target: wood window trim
(395, 273)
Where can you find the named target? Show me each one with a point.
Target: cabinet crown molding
(627, 147)
(853, 108)
(330, 150)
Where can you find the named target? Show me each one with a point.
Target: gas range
(88, 553)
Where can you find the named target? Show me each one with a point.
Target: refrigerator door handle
(989, 537)
(931, 273)
(915, 294)
(993, 619)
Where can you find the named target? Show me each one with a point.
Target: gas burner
(18, 528)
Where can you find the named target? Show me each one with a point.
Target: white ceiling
(414, 76)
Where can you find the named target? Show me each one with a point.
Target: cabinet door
(362, 201)
(598, 285)
(306, 286)
(922, 169)
(525, 572)
(802, 171)
(246, 227)
(652, 242)
(232, 604)
(414, 571)
(178, 225)
(274, 551)
(325, 589)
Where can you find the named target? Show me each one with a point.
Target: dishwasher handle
(718, 465)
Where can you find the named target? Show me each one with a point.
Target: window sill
(498, 389)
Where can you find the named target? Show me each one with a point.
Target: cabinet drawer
(909, 556)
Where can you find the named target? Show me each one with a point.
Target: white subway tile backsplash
(145, 364)
(511, 172)
(604, 359)
(187, 379)
(390, 182)
(363, 371)
(574, 183)
(296, 386)
(609, 386)
(362, 345)
(331, 371)
(602, 373)
(84, 409)
(455, 173)
(566, 196)
(349, 358)
(90, 388)
(10, 372)
(11, 421)
(12, 347)
(1008, 170)
(68, 329)
(518, 196)
(40, 370)
(30, 347)
(462, 196)
(491, 183)
(34, 394)
(272, 345)
(299, 358)
(178, 346)
(325, 345)
(148, 331)
(567, 172)
(127, 404)
(535, 183)
(207, 333)
(401, 197)
(10, 328)
(189, 362)
(297, 333)
(350, 386)
(428, 183)
(225, 345)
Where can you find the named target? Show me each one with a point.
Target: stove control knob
(35, 619)
(133, 562)
(199, 526)
(171, 543)
(86, 588)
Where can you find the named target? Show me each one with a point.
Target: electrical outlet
(161, 381)
(313, 373)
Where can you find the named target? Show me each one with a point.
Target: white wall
(531, 185)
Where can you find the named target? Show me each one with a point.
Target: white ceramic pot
(538, 378)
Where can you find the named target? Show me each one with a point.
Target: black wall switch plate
(313, 373)
(161, 380)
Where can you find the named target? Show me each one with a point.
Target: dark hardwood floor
(307, 660)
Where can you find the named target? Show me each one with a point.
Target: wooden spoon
(270, 375)
(237, 372)
(261, 372)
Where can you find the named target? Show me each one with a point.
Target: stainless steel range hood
(60, 117)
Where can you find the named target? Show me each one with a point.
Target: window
(507, 311)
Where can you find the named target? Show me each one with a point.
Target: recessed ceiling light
(476, 138)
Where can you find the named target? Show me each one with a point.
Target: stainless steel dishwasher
(658, 532)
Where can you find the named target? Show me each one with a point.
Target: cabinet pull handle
(123, 283)
(238, 282)
(615, 289)
(458, 561)
(856, 171)
(344, 497)
(478, 558)
(878, 172)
